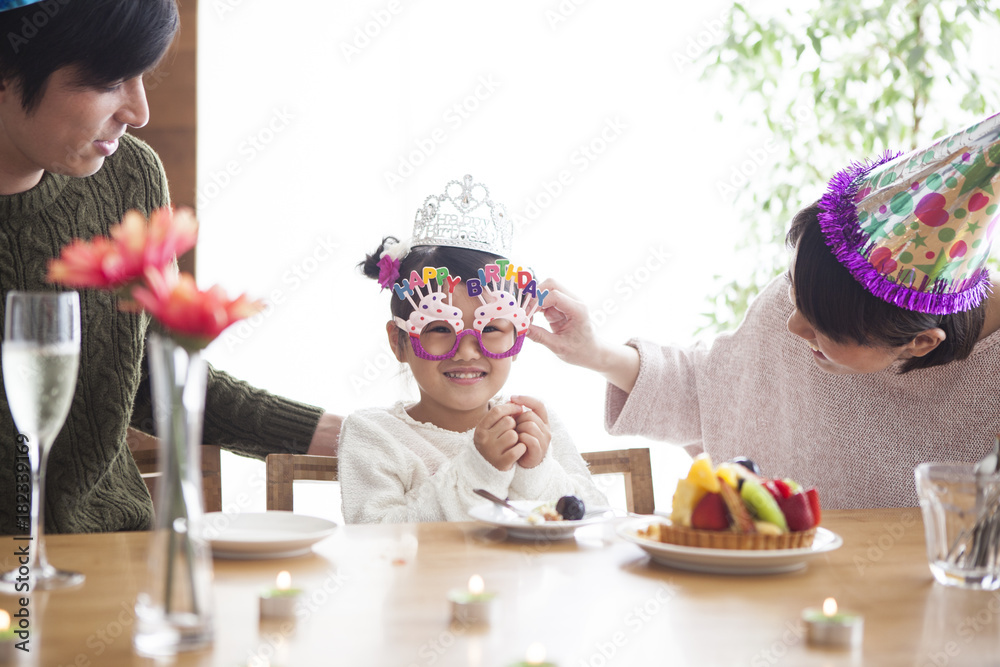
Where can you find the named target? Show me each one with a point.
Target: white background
(305, 107)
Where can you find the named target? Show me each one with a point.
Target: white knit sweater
(395, 469)
(757, 392)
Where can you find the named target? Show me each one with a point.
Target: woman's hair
(837, 305)
(107, 40)
(463, 262)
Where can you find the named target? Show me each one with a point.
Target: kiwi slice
(762, 504)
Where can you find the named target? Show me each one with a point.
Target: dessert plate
(729, 561)
(250, 535)
(519, 528)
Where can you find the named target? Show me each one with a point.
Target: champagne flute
(41, 356)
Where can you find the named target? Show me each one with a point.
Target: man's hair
(107, 41)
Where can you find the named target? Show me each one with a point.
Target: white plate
(730, 561)
(550, 530)
(264, 534)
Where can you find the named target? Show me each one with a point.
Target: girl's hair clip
(388, 263)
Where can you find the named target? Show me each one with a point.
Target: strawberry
(710, 513)
(797, 512)
(779, 488)
(813, 496)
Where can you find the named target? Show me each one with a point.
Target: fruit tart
(733, 506)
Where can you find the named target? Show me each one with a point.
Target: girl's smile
(466, 375)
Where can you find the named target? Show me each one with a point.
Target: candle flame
(476, 585)
(829, 607)
(535, 654)
(284, 580)
(4, 621)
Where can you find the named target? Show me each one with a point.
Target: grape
(749, 465)
(570, 508)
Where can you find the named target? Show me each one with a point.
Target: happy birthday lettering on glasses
(509, 298)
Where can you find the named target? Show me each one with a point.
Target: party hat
(464, 216)
(916, 229)
(14, 4)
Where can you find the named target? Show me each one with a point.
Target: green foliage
(835, 82)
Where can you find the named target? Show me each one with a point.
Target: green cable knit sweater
(92, 483)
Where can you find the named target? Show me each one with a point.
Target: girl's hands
(532, 430)
(496, 437)
(516, 432)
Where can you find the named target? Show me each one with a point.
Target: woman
(877, 351)
(70, 86)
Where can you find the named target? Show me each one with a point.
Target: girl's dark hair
(838, 306)
(463, 262)
(107, 40)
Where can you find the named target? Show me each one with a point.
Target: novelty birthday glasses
(438, 340)
(436, 326)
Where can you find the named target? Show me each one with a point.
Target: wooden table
(376, 595)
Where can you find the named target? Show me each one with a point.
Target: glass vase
(174, 607)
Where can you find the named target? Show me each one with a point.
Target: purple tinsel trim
(838, 218)
(388, 271)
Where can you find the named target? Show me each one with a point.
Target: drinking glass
(41, 356)
(961, 524)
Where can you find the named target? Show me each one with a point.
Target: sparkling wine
(39, 381)
(40, 356)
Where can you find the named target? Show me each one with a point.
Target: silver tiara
(464, 217)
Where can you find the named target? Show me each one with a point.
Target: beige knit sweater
(757, 392)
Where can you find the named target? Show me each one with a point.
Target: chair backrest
(283, 469)
(634, 464)
(145, 451)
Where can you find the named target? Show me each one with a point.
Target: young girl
(880, 348)
(458, 322)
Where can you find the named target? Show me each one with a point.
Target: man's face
(70, 132)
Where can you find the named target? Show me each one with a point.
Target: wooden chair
(634, 464)
(284, 469)
(144, 448)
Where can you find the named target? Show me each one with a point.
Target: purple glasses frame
(419, 350)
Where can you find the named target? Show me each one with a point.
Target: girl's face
(454, 393)
(71, 131)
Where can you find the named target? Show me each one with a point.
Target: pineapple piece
(686, 497)
(729, 474)
(701, 473)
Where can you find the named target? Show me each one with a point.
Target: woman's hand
(532, 430)
(497, 439)
(572, 336)
(572, 339)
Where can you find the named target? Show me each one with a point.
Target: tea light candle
(534, 657)
(280, 601)
(829, 627)
(7, 638)
(474, 605)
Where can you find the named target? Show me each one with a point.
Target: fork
(977, 547)
(501, 502)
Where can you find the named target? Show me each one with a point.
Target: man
(70, 86)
